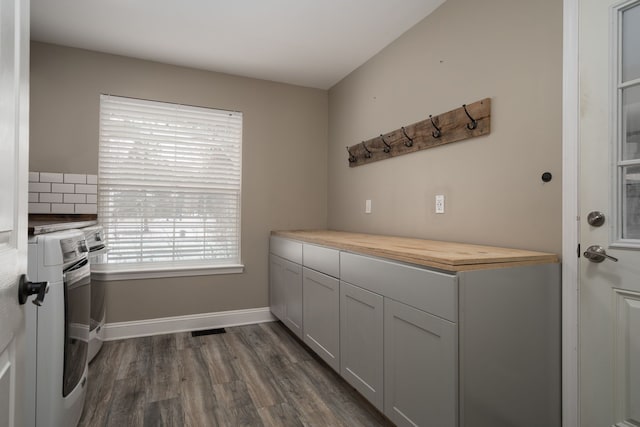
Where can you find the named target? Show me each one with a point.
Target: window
(627, 135)
(169, 185)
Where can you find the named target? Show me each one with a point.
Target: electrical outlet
(440, 203)
(367, 206)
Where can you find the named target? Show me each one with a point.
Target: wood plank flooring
(255, 375)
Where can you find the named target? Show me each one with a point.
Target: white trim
(615, 169)
(570, 214)
(626, 244)
(108, 274)
(628, 83)
(192, 322)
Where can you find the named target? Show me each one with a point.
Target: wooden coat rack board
(462, 123)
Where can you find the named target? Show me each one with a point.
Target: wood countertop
(448, 256)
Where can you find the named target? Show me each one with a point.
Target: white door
(14, 151)
(609, 325)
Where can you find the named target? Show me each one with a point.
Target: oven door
(77, 301)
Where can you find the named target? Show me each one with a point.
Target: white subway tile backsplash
(62, 193)
(39, 187)
(50, 198)
(75, 198)
(50, 177)
(63, 188)
(38, 208)
(86, 189)
(75, 178)
(86, 208)
(62, 208)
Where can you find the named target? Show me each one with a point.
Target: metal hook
(474, 122)
(352, 158)
(368, 155)
(408, 143)
(436, 133)
(387, 147)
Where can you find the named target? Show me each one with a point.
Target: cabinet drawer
(321, 259)
(427, 290)
(287, 249)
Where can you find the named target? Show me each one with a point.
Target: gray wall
(510, 51)
(284, 180)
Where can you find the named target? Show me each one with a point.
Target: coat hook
(474, 122)
(409, 142)
(368, 154)
(387, 147)
(352, 158)
(436, 133)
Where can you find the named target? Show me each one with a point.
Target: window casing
(169, 185)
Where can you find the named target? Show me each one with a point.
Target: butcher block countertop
(446, 256)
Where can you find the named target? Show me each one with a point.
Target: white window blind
(169, 184)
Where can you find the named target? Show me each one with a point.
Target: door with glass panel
(609, 325)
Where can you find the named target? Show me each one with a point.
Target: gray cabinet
(428, 347)
(319, 258)
(361, 341)
(276, 286)
(510, 347)
(420, 367)
(292, 290)
(285, 275)
(321, 315)
(432, 291)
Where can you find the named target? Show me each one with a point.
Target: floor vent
(208, 332)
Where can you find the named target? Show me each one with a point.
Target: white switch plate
(367, 206)
(440, 203)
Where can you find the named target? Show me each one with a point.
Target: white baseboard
(193, 322)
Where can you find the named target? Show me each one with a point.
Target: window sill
(133, 273)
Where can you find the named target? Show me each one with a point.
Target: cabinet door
(361, 349)
(420, 367)
(321, 297)
(292, 290)
(276, 286)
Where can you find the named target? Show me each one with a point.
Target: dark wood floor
(256, 375)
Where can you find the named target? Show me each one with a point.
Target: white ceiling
(311, 43)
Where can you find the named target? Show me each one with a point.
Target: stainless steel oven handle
(76, 273)
(97, 249)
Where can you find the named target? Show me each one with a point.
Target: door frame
(570, 212)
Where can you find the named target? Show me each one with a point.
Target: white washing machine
(97, 251)
(57, 331)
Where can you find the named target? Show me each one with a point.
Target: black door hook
(387, 147)
(409, 141)
(436, 133)
(474, 122)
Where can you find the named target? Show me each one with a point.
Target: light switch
(367, 206)
(440, 203)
